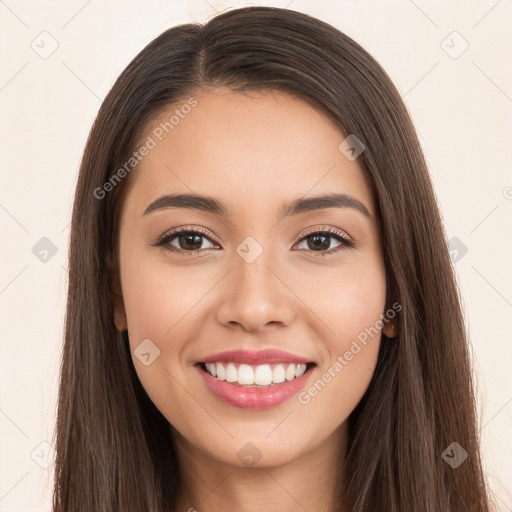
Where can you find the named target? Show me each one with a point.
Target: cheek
(159, 302)
(348, 306)
(164, 303)
(159, 296)
(346, 301)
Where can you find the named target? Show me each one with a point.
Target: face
(254, 275)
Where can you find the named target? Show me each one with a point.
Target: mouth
(249, 386)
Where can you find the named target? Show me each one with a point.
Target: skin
(255, 152)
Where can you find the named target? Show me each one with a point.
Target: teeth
(221, 371)
(301, 368)
(278, 374)
(258, 375)
(263, 375)
(231, 373)
(212, 369)
(245, 375)
(290, 372)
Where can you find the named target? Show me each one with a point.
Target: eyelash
(345, 243)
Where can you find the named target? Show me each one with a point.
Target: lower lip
(254, 398)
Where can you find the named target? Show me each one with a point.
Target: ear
(118, 305)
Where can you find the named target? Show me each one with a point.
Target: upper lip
(265, 356)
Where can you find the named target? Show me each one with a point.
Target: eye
(185, 239)
(320, 241)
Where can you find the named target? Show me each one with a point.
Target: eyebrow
(217, 207)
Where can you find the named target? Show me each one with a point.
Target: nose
(256, 295)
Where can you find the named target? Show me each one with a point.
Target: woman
(312, 355)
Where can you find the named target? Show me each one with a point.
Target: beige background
(461, 102)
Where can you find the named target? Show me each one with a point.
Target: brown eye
(320, 242)
(189, 241)
(184, 240)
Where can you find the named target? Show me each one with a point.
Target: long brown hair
(114, 449)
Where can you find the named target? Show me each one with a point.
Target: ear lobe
(118, 305)
(390, 328)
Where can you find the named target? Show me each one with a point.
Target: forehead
(247, 148)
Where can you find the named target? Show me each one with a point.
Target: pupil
(318, 244)
(190, 239)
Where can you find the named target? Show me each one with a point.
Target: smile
(254, 386)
